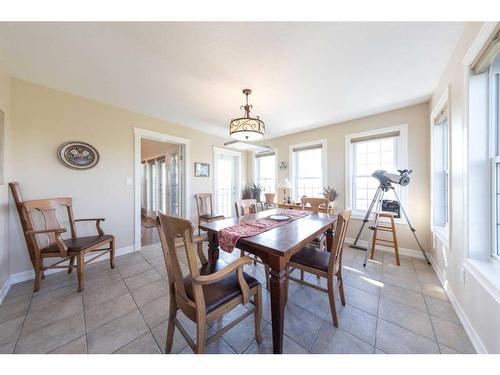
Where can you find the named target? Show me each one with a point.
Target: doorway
(227, 177)
(161, 182)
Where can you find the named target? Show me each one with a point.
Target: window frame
(276, 168)
(291, 163)
(442, 232)
(494, 153)
(401, 164)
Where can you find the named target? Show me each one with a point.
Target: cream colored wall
(418, 159)
(4, 196)
(151, 149)
(480, 310)
(45, 118)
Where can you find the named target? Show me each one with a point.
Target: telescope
(385, 178)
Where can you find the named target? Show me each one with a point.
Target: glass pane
(370, 156)
(265, 171)
(498, 209)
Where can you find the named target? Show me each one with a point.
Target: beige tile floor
(389, 310)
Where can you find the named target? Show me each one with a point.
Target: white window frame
(494, 154)
(442, 232)
(324, 176)
(276, 168)
(402, 164)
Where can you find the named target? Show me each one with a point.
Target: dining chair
(43, 235)
(246, 207)
(205, 208)
(327, 264)
(314, 204)
(207, 292)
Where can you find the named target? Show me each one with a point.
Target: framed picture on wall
(201, 169)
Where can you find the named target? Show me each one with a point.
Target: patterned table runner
(228, 237)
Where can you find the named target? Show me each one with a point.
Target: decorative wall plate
(283, 165)
(77, 155)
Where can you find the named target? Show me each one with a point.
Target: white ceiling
(303, 75)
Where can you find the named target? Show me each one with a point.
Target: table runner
(228, 237)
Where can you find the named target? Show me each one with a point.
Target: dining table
(274, 247)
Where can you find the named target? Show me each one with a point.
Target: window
(370, 151)
(495, 152)
(265, 171)
(308, 169)
(440, 162)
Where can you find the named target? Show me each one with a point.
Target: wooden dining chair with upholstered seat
(327, 264)
(43, 235)
(246, 207)
(205, 208)
(209, 291)
(314, 204)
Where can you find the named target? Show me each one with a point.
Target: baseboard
(474, 337)
(5, 289)
(19, 277)
(402, 250)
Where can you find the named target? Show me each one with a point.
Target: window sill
(359, 215)
(487, 273)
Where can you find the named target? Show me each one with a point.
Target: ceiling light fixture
(247, 128)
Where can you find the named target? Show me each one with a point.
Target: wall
(418, 159)
(151, 149)
(478, 309)
(4, 196)
(45, 118)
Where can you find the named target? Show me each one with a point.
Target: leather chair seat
(218, 293)
(211, 217)
(78, 244)
(311, 256)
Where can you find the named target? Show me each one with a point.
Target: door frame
(238, 177)
(139, 134)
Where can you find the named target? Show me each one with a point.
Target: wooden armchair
(327, 264)
(205, 208)
(245, 207)
(47, 242)
(209, 291)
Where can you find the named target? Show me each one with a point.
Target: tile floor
(389, 310)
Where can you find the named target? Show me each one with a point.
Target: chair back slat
(204, 204)
(315, 203)
(47, 217)
(245, 207)
(171, 228)
(338, 241)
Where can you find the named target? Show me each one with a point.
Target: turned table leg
(213, 247)
(278, 298)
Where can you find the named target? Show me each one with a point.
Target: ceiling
(303, 75)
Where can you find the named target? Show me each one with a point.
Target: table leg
(278, 300)
(213, 247)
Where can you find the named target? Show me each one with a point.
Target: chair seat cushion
(78, 244)
(313, 257)
(218, 293)
(211, 217)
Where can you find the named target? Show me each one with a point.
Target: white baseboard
(402, 250)
(19, 277)
(462, 316)
(5, 289)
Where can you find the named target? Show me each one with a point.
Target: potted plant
(256, 190)
(331, 194)
(246, 192)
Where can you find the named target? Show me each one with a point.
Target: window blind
(488, 53)
(375, 136)
(311, 147)
(263, 154)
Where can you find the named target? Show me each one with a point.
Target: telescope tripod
(377, 203)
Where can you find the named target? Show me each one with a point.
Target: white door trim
(186, 175)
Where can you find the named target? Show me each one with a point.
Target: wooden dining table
(275, 248)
